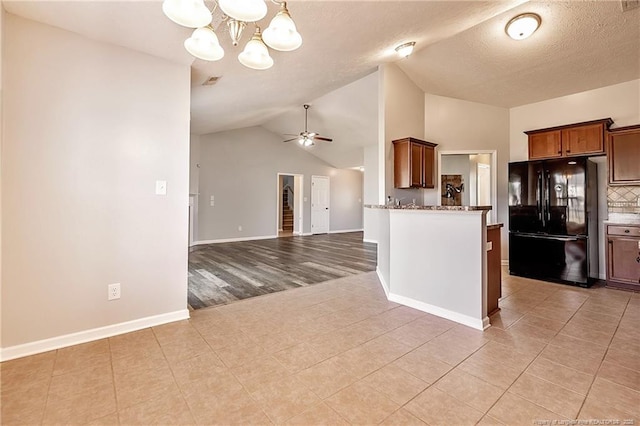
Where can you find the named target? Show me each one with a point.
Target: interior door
(319, 204)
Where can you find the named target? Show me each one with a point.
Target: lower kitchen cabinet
(623, 256)
(494, 268)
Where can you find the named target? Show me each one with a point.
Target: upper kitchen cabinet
(413, 163)
(572, 140)
(623, 148)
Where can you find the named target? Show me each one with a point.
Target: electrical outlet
(114, 291)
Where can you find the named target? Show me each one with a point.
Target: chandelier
(281, 34)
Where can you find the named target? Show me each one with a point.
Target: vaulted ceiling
(462, 51)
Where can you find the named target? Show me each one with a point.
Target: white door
(319, 204)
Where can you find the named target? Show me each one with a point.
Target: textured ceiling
(461, 52)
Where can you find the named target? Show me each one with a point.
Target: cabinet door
(545, 145)
(624, 260)
(624, 158)
(417, 166)
(583, 140)
(428, 169)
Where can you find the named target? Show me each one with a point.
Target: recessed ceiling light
(405, 49)
(522, 26)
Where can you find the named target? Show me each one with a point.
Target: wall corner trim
(369, 240)
(45, 345)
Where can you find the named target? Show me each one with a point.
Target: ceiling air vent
(211, 81)
(628, 5)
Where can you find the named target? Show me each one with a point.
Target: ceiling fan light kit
(523, 25)
(307, 138)
(281, 34)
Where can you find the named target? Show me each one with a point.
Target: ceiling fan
(307, 138)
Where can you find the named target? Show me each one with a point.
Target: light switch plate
(161, 187)
(489, 245)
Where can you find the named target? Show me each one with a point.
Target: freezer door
(564, 205)
(525, 197)
(550, 258)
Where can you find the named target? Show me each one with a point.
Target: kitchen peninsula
(434, 258)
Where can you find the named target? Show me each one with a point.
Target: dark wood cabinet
(494, 268)
(572, 140)
(623, 155)
(413, 163)
(623, 256)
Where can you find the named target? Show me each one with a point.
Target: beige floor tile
(168, 409)
(259, 373)
(285, 399)
(573, 358)
(487, 420)
(514, 410)
(423, 366)
(386, 348)
(135, 386)
(560, 313)
(80, 407)
(24, 401)
(360, 404)
(395, 383)
(219, 384)
(189, 370)
(507, 354)
(504, 318)
(624, 344)
(108, 420)
(629, 360)
(597, 409)
(620, 375)
(185, 348)
(402, 418)
(541, 322)
(235, 356)
(326, 378)
(548, 395)
(526, 330)
(473, 391)
(275, 342)
(223, 338)
(616, 396)
(319, 415)
(80, 382)
(491, 371)
(31, 366)
(572, 344)
(600, 317)
(138, 344)
(175, 331)
(560, 375)
(518, 342)
(298, 357)
(81, 356)
(436, 407)
(230, 408)
(585, 332)
(359, 362)
(417, 332)
(450, 351)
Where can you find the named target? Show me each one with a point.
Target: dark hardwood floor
(226, 272)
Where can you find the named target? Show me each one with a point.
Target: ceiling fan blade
(291, 134)
(291, 140)
(322, 138)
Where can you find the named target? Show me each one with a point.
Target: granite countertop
(623, 219)
(441, 208)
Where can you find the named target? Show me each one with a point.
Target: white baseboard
(306, 234)
(45, 345)
(367, 240)
(233, 240)
(478, 324)
(340, 231)
(504, 262)
(385, 286)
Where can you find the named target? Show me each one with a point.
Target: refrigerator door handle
(548, 195)
(549, 237)
(539, 199)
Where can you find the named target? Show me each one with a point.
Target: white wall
(455, 124)
(239, 168)
(87, 130)
(621, 102)
(403, 111)
(194, 160)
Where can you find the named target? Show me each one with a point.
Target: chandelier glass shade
(255, 54)
(204, 44)
(281, 34)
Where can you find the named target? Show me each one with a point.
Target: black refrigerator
(553, 220)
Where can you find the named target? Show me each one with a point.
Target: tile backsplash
(623, 199)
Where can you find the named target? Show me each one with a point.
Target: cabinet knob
(626, 231)
(568, 151)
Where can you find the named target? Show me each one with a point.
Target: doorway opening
(289, 201)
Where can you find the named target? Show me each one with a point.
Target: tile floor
(339, 353)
